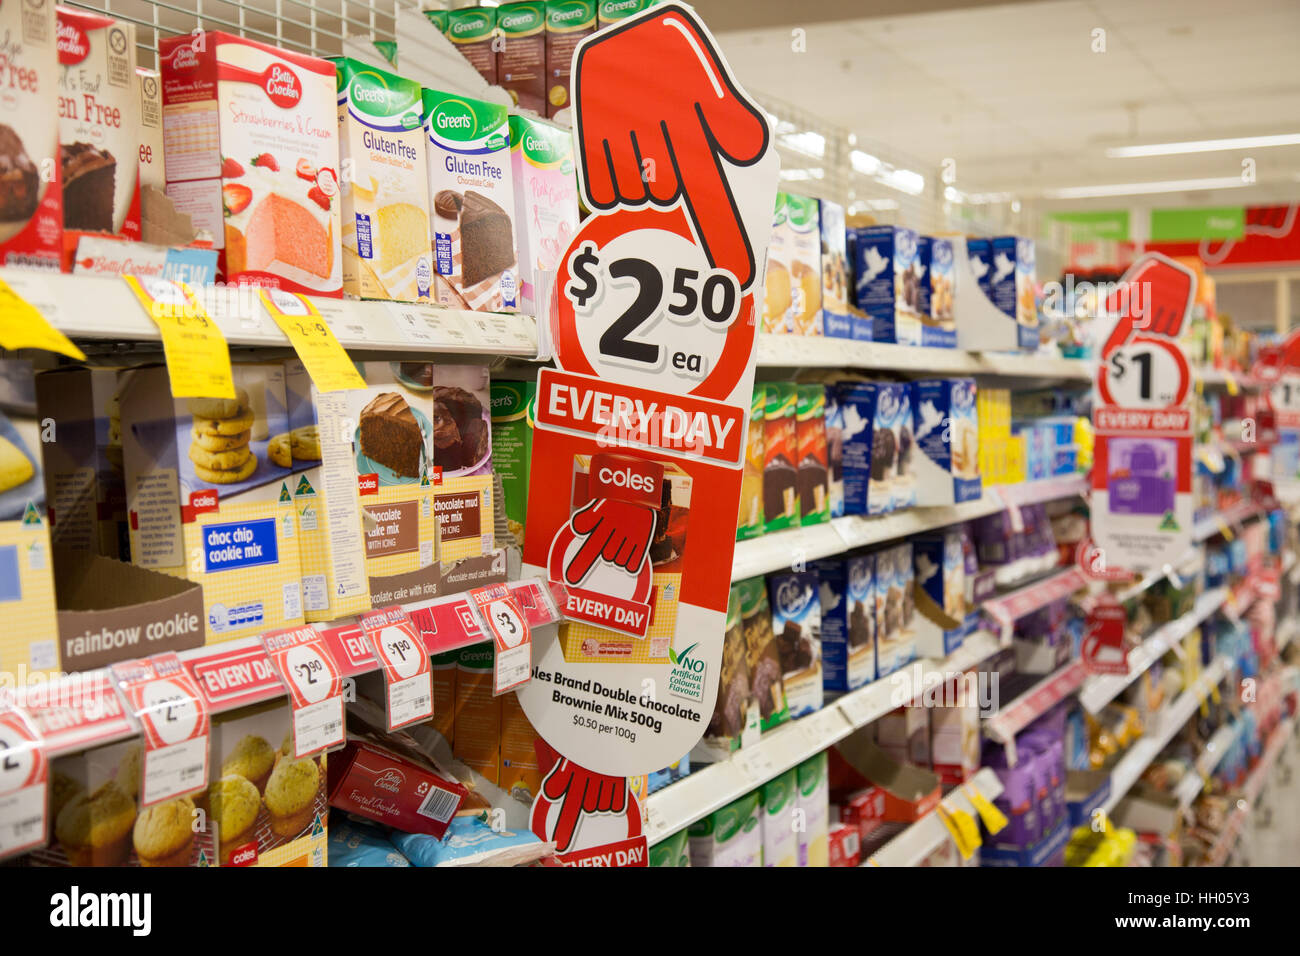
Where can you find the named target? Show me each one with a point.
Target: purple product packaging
(848, 614)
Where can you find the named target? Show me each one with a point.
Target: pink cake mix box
(251, 138)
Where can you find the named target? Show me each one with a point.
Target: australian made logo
(687, 678)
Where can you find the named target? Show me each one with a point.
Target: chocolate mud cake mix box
(546, 201)
(31, 202)
(385, 199)
(471, 187)
(209, 497)
(99, 123)
(251, 137)
(462, 460)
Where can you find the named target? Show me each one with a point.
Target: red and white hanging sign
(511, 636)
(174, 719)
(1103, 649)
(400, 650)
(314, 685)
(593, 819)
(24, 784)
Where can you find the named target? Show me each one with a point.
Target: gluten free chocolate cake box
(252, 143)
(31, 200)
(99, 127)
(471, 187)
(209, 497)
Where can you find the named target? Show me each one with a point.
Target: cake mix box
(779, 795)
(834, 421)
(735, 709)
(732, 836)
(836, 275)
(385, 199)
(473, 31)
(939, 587)
(84, 493)
(1011, 284)
(870, 442)
(30, 640)
(31, 202)
(780, 454)
(804, 233)
(471, 187)
(567, 22)
(938, 326)
(796, 622)
(251, 138)
(848, 612)
(814, 799)
(209, 498)
(888, 283)
(978, 252)
(814, 473)
(894, 416)
(946, 428)
(895, 603)
(777, 282)
(611, 11)
(521, 53)
(99, 128)
(750, 523)
(462, 460)
(152, 163)
(478, 712)
(546, 202)
(766, 682)
(512, 448)
(326, 498)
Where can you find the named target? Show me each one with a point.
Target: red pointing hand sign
(617, 531)
(1154, 296)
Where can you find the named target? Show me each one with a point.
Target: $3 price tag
(400, 649)
(174, 720)
(512, 638)
(314, 685)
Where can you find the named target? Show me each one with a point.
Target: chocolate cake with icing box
(391, 436)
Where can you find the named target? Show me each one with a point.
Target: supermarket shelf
(1191, 564)
(1250, 793)
(701, 792)
(1099, 690)
(1190, 787)
(929, 833)
(244, 321)
(1214, 524)
(1008, 608)
(1169, 721)
(778, 550)
(1218, 378)
(801, 351)
(1033, 703)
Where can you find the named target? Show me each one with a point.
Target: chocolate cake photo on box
(482, 247)
(20, 183)
(462, 427)
(391, 439)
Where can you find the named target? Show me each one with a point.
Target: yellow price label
(1226, 531)
(311, 337)
(994, 819)
(961, 827)
(198, 360)
(22, 326)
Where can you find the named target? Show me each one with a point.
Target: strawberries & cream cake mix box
(252, 145)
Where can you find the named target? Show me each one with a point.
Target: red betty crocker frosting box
(398, 790)
(250, 133)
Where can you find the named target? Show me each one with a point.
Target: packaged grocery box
(472, 31)
(777, 283)
(895, 603)
(567, 22)
(208, 496)
(673, 850)
(805, 265)
(796, 622)
(251, 137)
(814, 800)
(877, 474)
(848, 613)
(764, 659)
(955, 732)
(443, 669)
(1011, 284)
(898, 420)
(326, 497)
(844, 846)
(814, 473)
(779, 795)
(611, 11)
(673, 772)
(979, 254)
(385, 778)
(546, 203)
(938, 325)
(736, 709)
(947, 432)
(888, 283)
(834, 420)
(836, 277)
(99, 124)
(732, 836)
(462, 460)
(471, 188)
(31, 206)
(780, 453)
(385, 200)
(478, 713)
(749, 523)
(512, 447)
(152, 167)
(519, 774)
(521, 53)
(939, 586)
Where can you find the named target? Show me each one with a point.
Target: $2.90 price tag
(175, 722)
(24, 781)
(313, 340)
(400, 649)
(513, 662)
(314, 684)
(198, 360)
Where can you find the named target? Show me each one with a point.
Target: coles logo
(73, 44)
(390, 780)
(283, 88)
(626, 478)
(205, 500)
(245, 855)
(368, 484)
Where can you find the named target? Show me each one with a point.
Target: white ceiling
(1015, 94)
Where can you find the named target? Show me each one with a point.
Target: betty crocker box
(31, 208)
(252, 142)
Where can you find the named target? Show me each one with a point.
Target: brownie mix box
(29, 642)
(780, 454)
(888, 283)
(326, 497)
(209, 498)
(834, 421)
(251, 138)
(796, 622)
(946, 428)
(521, 53)
(31, 208)
(471, 188)
(847, 591)
(735, 706)
(835, 272)
(804, 236)
(567, 22)
(749, 524)
(546, 202)
(764, 659)
(472, 31)
(385, 200)
(938, 325)
(99, 128)
(939, 588)
(777, 283)
(814, 471)
(462, 460)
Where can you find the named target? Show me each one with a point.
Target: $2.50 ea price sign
(314, 685)
(407, 678)
(174, 719)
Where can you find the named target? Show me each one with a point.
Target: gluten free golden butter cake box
(209, 497)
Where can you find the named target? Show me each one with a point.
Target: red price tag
(174, 719)
(314, 685)
(511, 635)
(24, 782)
(1103, 642)
(401, 651)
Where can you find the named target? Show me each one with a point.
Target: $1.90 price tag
(513, 662)
(174, 720)
(314, 684)
(198, 360)
(313, 340)
(400, 649)
(24, 781)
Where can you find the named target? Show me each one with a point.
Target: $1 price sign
(174, 720)
(401, 651)
(314, 685)
(511, 636)
(24, 781)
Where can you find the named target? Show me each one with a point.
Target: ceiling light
(801, 175)
(905, 181)
(864, 163)
(1135, 189)
(813, 144)
(1203, 146)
